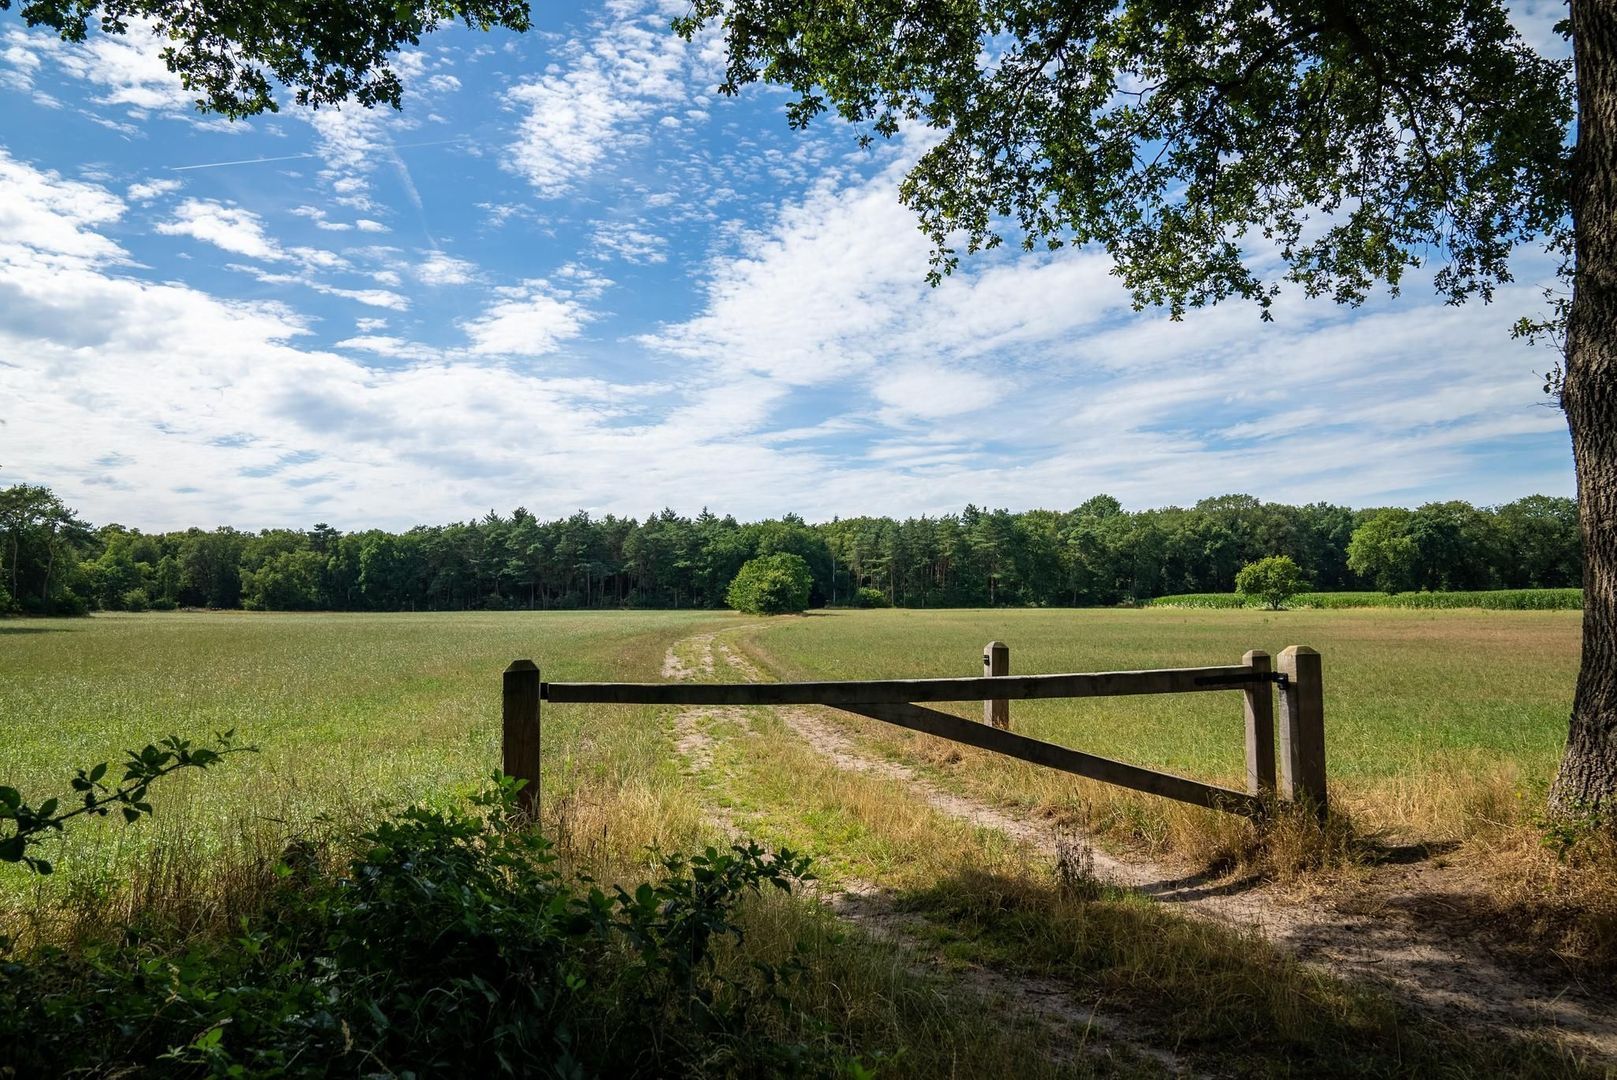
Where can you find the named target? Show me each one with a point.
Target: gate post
(519, 740)
(997, 661)
(1260, 728)
(1302, 735)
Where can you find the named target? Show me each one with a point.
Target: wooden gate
(1296, 674)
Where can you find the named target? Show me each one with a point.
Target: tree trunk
(1588, 776)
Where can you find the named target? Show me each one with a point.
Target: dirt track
(1407, 930)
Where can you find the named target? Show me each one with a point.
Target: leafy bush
(776, 584)
(871, 598)
(1273, 580)
(163, 603)
(135, 600)
(451, 946)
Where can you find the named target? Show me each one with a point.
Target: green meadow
(1431, 715)
(351, 713)
(1440, 724)
(1434, 718)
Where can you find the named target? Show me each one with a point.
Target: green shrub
(451, 946)
(871, 598)
(776, 584)
(163, 603)
(1273, 581)
(135, 600)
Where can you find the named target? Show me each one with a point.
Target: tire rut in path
(1047, 1003)
(1435, 967)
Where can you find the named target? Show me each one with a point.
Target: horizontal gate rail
(893, 701)
(905, 691)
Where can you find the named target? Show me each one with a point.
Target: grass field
(1439, 724)
(1436, 720)
(351, 712)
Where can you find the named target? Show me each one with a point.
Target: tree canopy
(231, 54)
(1214, 149)
(1095, 554)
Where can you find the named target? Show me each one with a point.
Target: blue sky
(569, 275)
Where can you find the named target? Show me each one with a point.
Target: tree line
(53, 562)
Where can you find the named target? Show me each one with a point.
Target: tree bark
(1587, 780)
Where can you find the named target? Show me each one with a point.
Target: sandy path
(1070, 1024)
(1434, 963)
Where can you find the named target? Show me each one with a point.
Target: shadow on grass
(14, 628)
(1221, 995)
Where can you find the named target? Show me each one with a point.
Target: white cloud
(232, 228)
(126, 70)
(150, 190)
(159, 413)
(46, 219)
(439, 268)
(836, 288)
(321, 221)
(527, 321)
(633, 242)
(381, 298)
(581, 112)
(932, 392)
(1086, 395)
(392, 347)
(19, 60)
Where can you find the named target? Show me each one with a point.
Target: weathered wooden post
(1302, 735)
(1260, 728)
(520, 735)
(997, 661)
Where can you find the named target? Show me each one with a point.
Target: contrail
(243, 161)
(299, 157)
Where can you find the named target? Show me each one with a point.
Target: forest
(1097, 554)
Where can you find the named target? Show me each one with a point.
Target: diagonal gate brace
(956, 729)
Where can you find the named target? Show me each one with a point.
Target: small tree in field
(776, 584)
(1273, 580)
